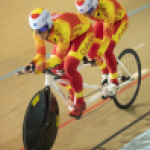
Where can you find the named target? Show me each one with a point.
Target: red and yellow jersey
(109, 11)
(66, 27)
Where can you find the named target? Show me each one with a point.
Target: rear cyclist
(110, 24)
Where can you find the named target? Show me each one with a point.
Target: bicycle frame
(49, 81)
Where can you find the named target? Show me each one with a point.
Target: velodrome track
(101, 121)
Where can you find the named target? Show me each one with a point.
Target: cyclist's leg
(58, 69)
(78, 50)
(111, 62)
(53, 52)
(119, 29)
(69, 88)
(93, 52)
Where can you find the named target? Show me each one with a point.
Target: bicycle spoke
(131, 65)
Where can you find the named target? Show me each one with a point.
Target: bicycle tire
(36, 134)
(138, 62)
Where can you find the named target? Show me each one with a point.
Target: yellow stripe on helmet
(37, 11)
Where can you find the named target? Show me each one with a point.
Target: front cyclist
(111, 22)
(72, 36)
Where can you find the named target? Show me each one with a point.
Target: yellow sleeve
(56, 59)
(53, 61)
(63, 30)
(40, 49)
(109, 13)
(107, 10)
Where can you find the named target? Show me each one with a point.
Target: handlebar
(48, 71)
(86, 61)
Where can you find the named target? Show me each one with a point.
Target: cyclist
(111, 22)
(72, 36)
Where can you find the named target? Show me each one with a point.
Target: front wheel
(129, 76)
(41, 121)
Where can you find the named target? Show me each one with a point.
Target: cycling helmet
(40, 19)
(86, 6)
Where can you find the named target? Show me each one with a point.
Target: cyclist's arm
(64, 32)
(56, 59)
(40, 50)
(109, 21)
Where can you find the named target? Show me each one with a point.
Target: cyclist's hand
(39, 68)
(30, 67)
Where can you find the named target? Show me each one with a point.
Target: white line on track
(139, 46)
(143, 71)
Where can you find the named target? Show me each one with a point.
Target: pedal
(105, 82)
(104, 97)
(111, 97)
(124, 78)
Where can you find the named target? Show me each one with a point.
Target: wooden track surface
(17, 48)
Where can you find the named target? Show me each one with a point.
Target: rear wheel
(128, 93)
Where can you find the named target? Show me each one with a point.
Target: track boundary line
(121, 130)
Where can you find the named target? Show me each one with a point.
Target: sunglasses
(90, 10)
(43, 29)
